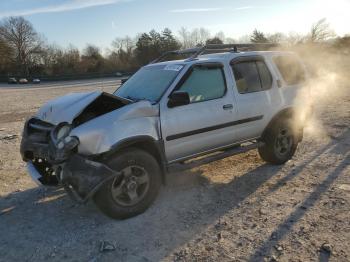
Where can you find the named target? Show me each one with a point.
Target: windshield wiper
(131, 98)
(136, 99)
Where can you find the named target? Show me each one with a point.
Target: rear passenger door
(255, 95)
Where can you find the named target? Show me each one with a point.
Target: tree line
(25, 53)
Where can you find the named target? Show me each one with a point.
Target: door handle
(228, 107)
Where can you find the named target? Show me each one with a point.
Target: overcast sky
(99, 21)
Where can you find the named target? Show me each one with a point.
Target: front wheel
(133, 192)
(280, 142)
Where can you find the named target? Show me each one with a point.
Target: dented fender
(141, 118)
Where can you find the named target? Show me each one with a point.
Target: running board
(212, 157)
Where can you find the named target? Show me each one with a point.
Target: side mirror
(178, 98)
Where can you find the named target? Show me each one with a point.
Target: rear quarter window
(290, 68)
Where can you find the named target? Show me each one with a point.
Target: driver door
(203, 124)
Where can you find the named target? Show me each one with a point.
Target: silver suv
(117, 148)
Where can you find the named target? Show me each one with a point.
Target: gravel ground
(235, 209)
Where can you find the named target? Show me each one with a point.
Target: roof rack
(216, 48)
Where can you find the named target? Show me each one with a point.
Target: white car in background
(23, 81)
(36, 81)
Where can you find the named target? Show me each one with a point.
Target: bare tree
(127, 44)
(321, 31)
(204, 35)
(20, 35)
(196, 37)
(92, 51)
(276, 38)
(184, 37)
(52, 54)
(122, 53)
(229, 40)
(244, 39)
(295, 38)
(92, 60)
(5, 56)
(220, 35)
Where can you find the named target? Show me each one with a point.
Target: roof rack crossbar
(215, 48)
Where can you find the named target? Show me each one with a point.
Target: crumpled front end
(52, 160)
(66, 147)
(37, 150)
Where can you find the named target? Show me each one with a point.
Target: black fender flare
(147, 143)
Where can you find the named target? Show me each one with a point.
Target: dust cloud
(328, 80)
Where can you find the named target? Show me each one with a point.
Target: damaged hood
(66, 108)
(79, 108)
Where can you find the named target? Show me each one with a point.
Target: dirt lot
(235, 209)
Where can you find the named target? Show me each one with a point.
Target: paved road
(100, 82)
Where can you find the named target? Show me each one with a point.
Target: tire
(116, 198)
(276, 149)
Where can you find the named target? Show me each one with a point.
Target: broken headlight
(68, 143)
(62, 131)
(61, 139)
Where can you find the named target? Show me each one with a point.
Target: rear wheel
(133, 192)
(280, 142)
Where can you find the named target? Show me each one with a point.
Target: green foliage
(258, 37)
(214, 41)
(152, 45)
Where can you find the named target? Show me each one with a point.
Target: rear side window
(205, 83)
(251, 76)
(290, 68)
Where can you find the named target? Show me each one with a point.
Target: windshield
(149, 83)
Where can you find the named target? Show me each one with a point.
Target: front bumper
(34, 173)
(80, 176)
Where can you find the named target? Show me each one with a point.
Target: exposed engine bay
(104, 104)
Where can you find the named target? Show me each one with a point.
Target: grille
(39, 131)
